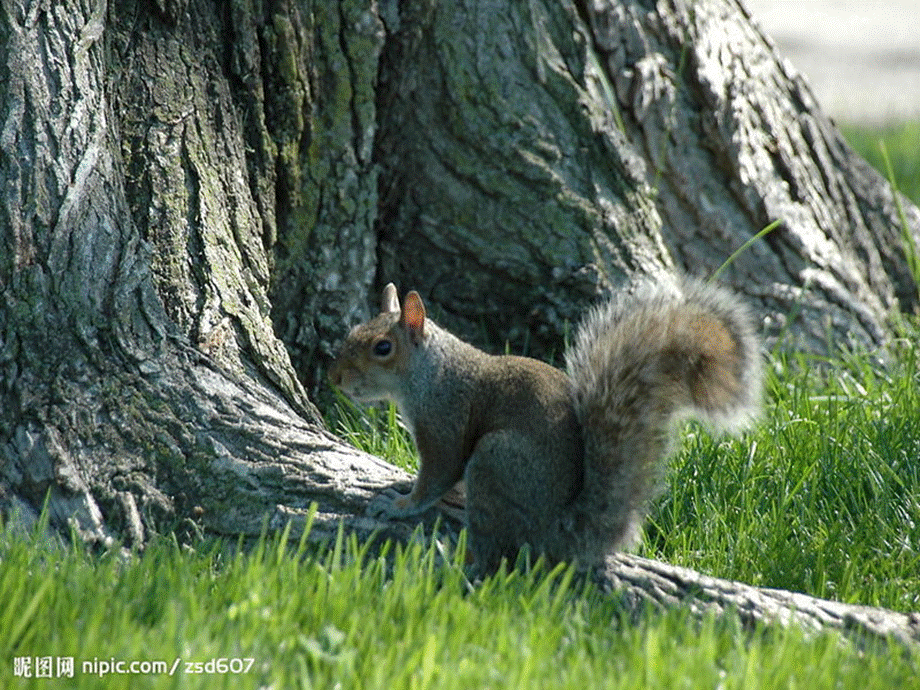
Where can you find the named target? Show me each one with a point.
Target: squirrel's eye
(382, 348)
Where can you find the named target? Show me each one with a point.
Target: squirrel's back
(652, 355)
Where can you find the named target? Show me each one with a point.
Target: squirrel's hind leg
(500, 520)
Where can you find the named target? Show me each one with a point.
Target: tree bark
(188, 183)
(536, 154)
(149, 168)
(642, 582)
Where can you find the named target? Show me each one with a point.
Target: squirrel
(565, 463)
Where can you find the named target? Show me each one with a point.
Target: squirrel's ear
(389, 302)
(413, 314)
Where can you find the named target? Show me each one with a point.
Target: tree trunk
(188, 183)
(150, 162)
(536, 154)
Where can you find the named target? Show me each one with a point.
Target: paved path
(861, 57)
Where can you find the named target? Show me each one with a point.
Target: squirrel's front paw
(389, 503)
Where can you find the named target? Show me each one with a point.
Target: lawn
(900, 144)
(823, 496)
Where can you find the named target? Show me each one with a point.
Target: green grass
(822, 497)
(895, 152)
(902, 142)
(339, 617)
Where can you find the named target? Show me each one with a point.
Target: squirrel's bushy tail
(649, 357)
